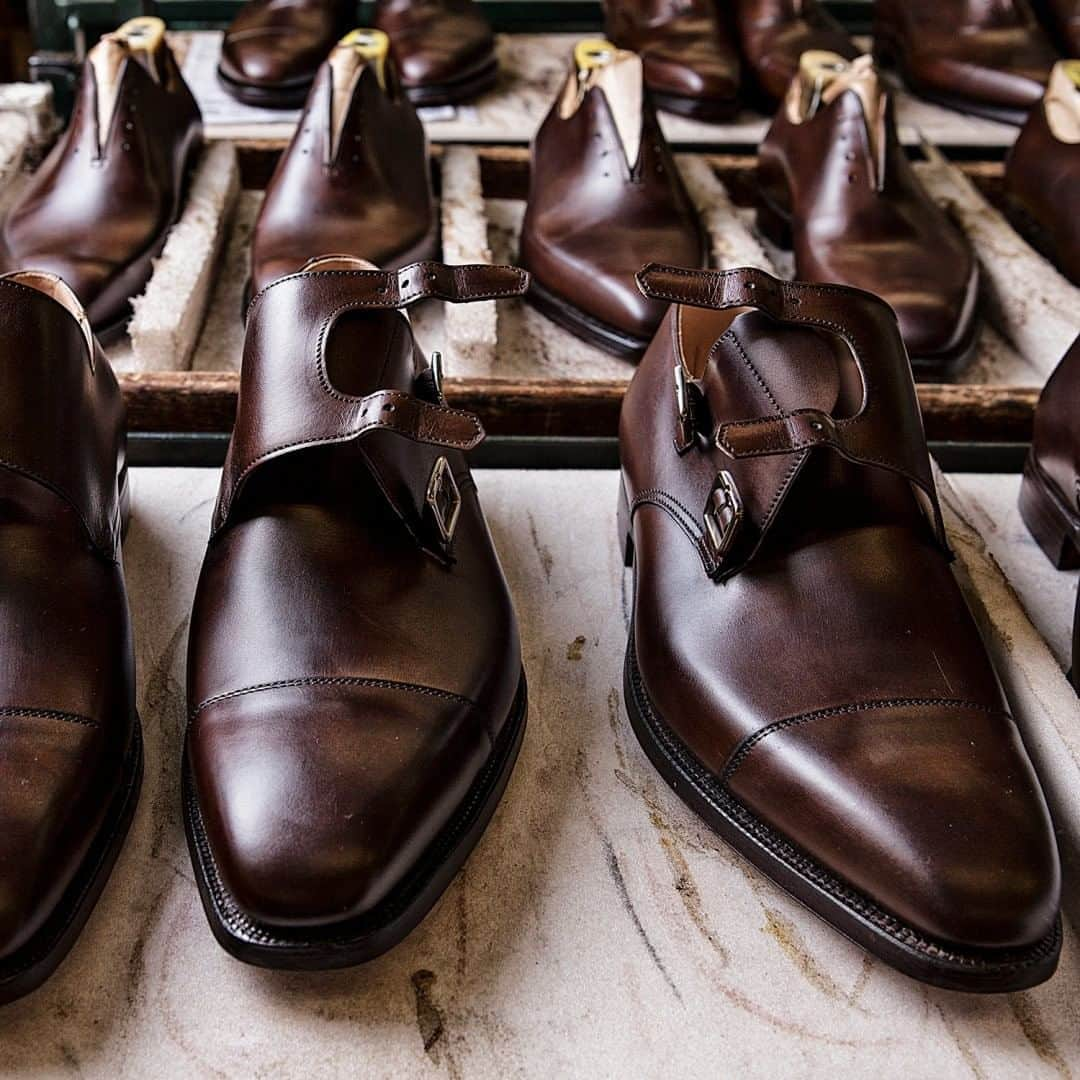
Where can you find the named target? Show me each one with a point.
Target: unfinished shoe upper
(605, 197)
(355, 179)
(833, 175)
(98, 210)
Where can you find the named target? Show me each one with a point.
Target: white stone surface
(599, 929)
(1048, 595)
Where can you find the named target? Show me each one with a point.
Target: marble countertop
(599, 929)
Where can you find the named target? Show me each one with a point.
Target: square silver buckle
(723, 516)
(443, 499)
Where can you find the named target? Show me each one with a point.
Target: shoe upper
(796, 623)
(605, 196)
(102, 201)
(775, 33)
(355, 179)
(1055, 442)
(859, 215)
(687, 51)
(1042, 172)
(994, 54)
(277, 44)
(354, 653)
(435, 42)
(67, 704)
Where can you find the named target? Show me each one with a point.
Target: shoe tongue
(1062, 101)
(619, 76)
(824, 77)
(358, 51)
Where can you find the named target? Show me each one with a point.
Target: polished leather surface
(687, 49)
(1042, 179)
(1061, 18)
(1055, 442)
(348, 674)
(859, 216)
(828, 661)
(277, 45)
(775, 33)
(437, 43)
(368, 196)
(99, 208)
(67, 708)
(988, 56)
(593, 219)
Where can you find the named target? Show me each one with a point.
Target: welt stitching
(49, 714)
(332, 680)
(744, 749)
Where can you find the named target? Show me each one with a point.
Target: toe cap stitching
(743, 750)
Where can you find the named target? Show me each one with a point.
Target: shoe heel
(1047, 521)
(626, 535)
(773, 225)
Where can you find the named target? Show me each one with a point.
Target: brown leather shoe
(273, 48)
(802, 667)
(354, 675)
(691, 63)
(1050, 490)
(98, 210)
(1061, 18)
(775, 33)
(991, 59)
(355, 178)
(1042, 173)
(836, 185)
(444, 49)
(605, 196)
(70, 746)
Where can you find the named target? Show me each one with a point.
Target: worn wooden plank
(206, 401)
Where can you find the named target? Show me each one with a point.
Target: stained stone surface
(599, 929)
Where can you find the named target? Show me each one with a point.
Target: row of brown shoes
(355, 687)
(992, 59)
(444, 50)
(802, 667)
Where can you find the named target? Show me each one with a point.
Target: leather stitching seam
(747, 745)
(49, 714)
(333, 680)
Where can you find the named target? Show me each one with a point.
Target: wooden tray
(203, 401)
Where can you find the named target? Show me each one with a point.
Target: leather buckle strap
(799, 430)
(424, 281)
(885, 432)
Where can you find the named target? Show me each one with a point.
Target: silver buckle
(687, 429)
(723, 516)
(437, 372)
(443, 499)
